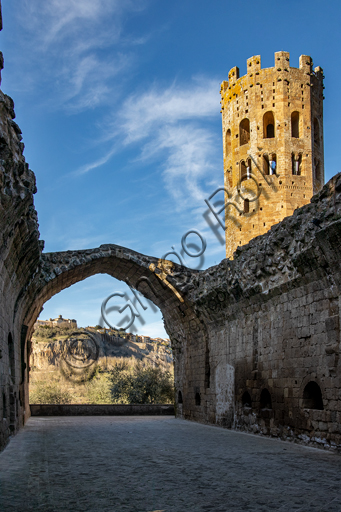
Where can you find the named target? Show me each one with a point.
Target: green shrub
(140, 384)
(98, 390)
(50, 393)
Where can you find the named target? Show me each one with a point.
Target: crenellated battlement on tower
(281, 68)
(272, 126)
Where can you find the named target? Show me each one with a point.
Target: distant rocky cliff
(75, 351)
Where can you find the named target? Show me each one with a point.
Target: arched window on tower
(248, 168)
(245, 169)
(270, 164)
(316, 132)
(295, 125)
(268, 125)
(228, 143)
(312, 396)
(246, 205)
(266, 169)
(180, 401)
(244, 132)
(296, 164)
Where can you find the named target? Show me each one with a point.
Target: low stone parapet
(102, 410)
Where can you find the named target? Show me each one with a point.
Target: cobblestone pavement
(142, 464)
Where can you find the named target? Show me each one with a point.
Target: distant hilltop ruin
(57, 322)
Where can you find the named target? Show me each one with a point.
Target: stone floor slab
(152, 464)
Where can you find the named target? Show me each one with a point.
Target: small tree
(139, 384)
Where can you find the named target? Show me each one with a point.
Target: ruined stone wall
(272, 316)
(272, 114)
(19, 263)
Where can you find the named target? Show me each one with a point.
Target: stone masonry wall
(19, 262)
(273, 321)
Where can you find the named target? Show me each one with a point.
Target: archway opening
(244, 132)
(180, 400)
(81, 356)
(312, 396)
(265, 401)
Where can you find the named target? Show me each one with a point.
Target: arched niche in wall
(265, 401)
(312, 396)
(246, 399)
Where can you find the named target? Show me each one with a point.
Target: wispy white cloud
(173, 123)
(191, 157)
(94, 165)
(86, 22)
(158, 107)
(79, 45)
(64, 16)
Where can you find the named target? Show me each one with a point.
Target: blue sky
(118, 101)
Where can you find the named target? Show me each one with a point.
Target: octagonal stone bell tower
(273, 144)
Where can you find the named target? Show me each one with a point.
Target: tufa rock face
(99, 350)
